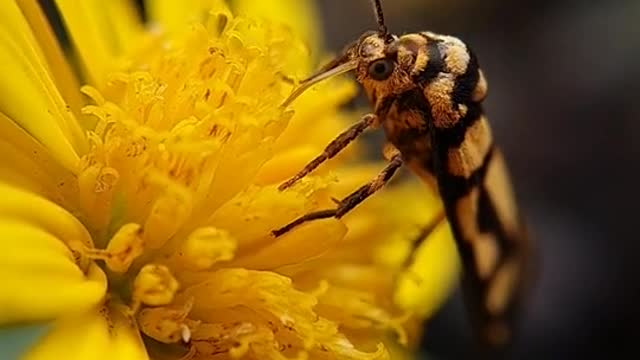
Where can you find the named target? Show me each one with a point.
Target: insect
(426, 91)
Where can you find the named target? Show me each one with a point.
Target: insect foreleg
(333, 148)
(351, 201)
(358, 196)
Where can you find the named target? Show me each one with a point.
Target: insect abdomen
(475, 188)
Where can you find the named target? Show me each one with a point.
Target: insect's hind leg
(423, 235)
(351, 201)
(334, 147)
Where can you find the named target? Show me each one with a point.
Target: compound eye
(381, 69)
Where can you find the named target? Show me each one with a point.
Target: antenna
(382, 28)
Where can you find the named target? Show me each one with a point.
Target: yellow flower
(136, 210)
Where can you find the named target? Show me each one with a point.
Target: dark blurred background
(564, 82)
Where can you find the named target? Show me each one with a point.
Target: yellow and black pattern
(427, 91)
(439, 127)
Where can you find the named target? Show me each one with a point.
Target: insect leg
(427, 229)
(351, 201)
(417, 242)
(333, 148)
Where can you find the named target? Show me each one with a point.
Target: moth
(426, 91)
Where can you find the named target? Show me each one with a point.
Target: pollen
(125, 246)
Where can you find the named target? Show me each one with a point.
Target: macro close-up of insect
(319, 179)
(426, 91)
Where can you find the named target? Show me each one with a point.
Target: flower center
(180, 208)
(177, 134)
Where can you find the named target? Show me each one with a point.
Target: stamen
(96, 185)
(397, 325)
(322, 289)
(93, 94)
(246, 335)
(167, 215)
(154, 285)
(205, 247)
(123, 248)
(168, 325)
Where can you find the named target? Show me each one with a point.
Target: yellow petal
(316, 114)
(64, 77)
(285, 164)
(28, 165)
(304, 243)
(100, 31)
(398, 352)
(124, 23)
(252, 214)
(90, 335)
(29, 96)
(41, 280)
(19, 204)
(126, 343)
(300, 15)
(430, 279)
(243, 164)
(358, 310)
(173, 15)
(271, 309)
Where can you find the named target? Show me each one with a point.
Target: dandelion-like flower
(136, 210)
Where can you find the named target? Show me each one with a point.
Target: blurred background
(564, 81)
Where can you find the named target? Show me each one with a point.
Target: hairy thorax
(407, 130)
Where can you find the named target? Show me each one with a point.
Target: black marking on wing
(453, 187)
(488, 222)
(435, 64)
(466, 83)
(454, 136)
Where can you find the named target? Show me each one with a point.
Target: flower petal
(60, 68)
(36, 258)
(124, 23)
(100, 31)
(18, 204)
(317, 114)
(271, 312)
(29, 96)
(428, 279)
(431, 278)
(172, 15)
(304, 243)
(28, 165)
(300, 15)
(90, 335)
(252, 214)
(285, 164)
(41, 280)
(125, 339)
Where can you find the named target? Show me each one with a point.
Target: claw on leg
(322, 214)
